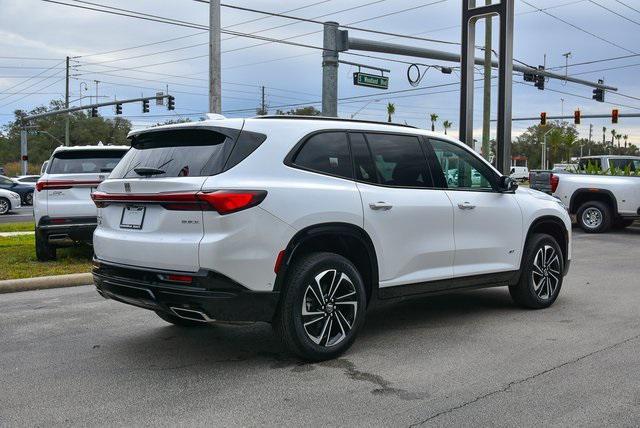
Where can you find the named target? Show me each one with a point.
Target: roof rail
(338, 119)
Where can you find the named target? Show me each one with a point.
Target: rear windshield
(85, 161)
(184, 153)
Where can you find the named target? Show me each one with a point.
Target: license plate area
(132, 217)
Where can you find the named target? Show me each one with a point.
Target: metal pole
(467, 70)
(263, 109)
(215, 79)
(486, 108)
(505, 86)
(23, 152)
(66, 105)
(330, 70)
(590, 136)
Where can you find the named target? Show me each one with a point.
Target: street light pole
(543, 159)
(215, 80)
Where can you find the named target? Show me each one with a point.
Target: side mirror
(508, 184)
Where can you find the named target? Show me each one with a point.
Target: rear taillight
(64, 184)
(222, 201)
(554, 181)
(183, 279)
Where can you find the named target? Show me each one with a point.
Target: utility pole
(590, 136)
(330, 70)
(486, 108)
(23, 151)
(263, 107)
(215, 80)
(66, 105)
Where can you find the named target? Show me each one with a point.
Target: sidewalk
(10, 234)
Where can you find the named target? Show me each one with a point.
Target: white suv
(307, 222)
(62, 207)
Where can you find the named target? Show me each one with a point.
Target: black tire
(526, 292)
(595, 208)
(28, 199)
(5, 206)
(180, 322)
(346, 309)
(623, 223)
(45, 252)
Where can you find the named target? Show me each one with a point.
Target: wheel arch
(553, 226)
(580, 196)
(345, 239)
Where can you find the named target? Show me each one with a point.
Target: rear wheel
(5, 206)
(322, 308)
(45, 252)
(541, 273)
(594, 217)
(180, 322)
(28, 199)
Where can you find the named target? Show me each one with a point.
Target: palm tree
(626, 138)
(604, 138)
(446, 124)
(434, 119)
(613, 136)
(618, 137)
(391, 110)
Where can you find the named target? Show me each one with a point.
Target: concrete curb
(44, 282)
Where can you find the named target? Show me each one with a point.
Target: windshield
(85, 161)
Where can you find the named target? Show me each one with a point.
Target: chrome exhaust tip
(191, 314)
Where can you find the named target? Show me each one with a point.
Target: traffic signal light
(576, 117)
(93, 112)
(598, 94)
(543, 118)
(118, 108)
(614, 115)
(171, 103)
(539, 79)
(145, 106)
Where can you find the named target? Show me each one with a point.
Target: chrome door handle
(380, 206)
(466, 206)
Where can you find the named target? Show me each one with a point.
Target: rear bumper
(68, 230)
(210, 297)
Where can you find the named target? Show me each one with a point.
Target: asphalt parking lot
(70, 357)
(15, 216)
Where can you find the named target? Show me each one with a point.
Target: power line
(31, 93)
(577, 27)
(614, 12)
(626, 5)
(29, 58)
(30, 78)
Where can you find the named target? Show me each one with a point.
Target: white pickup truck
(62, 206)
(599, 202)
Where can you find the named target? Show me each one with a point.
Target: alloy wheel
(329, 308)
(545, 273)
(4, 206)
(592, 217)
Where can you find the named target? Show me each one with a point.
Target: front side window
(461, 169)
(326, 153)
(399, 160)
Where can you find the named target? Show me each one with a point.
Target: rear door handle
(466, 206)
(380, 206)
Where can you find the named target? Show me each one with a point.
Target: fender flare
(582, 191)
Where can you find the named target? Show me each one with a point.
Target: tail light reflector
(222, 201)
(184, 279)
(64, 184)
(554, 181)
(276, 267)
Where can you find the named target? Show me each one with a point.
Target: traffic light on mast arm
(543, 118)
(171, 103)
(93, 112)
(118, 108)
(614, 115)
(576, 117)
(598, 94)
(145, 106)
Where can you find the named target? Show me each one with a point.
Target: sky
(131, 57)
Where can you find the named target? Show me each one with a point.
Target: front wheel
(45, 252)
(322, 308)
(541, 273)
(594, 217)
(5, 206)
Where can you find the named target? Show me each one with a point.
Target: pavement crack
(526, 379)
(384, 386)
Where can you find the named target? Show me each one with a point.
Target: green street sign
(370, 80)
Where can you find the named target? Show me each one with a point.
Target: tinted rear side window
(85, 161)
(177, 153)
(399, 160)
(327, 153)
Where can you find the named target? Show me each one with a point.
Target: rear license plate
(132, 217)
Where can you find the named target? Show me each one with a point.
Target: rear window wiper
(148, 171)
